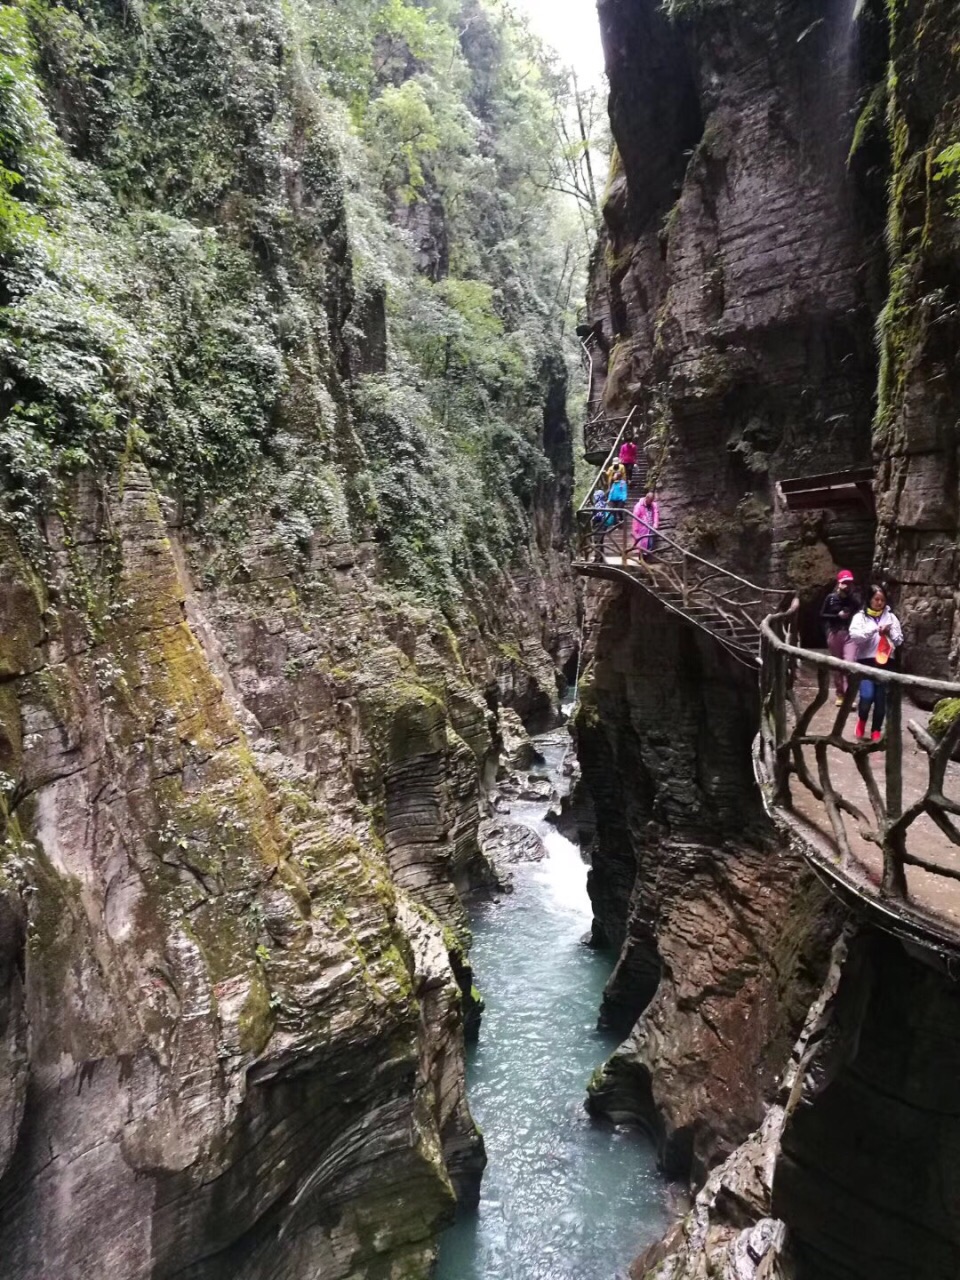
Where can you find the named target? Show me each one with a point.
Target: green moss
(597, 1081)
(870, 119)
(669, 223)
(944, 716)
(617, 261)
(403, 719)
(26, 603)
(613, 173)
(256, 1018)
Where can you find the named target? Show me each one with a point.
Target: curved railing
(612, 454)
(901, 811)
(715, 599)
(597, 431)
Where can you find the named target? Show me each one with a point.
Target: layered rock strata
(850, 1174)
(231, 941)
(721, 935)
(740, 271)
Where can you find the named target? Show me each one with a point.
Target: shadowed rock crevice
(721, 937)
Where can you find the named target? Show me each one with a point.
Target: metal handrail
(607, 462)
(945, 688)
(700, 587)
(779, 592)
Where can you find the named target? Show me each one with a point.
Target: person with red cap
(838, 609)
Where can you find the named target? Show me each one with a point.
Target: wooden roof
(830, 490)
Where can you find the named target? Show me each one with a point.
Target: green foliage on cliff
(300, 256)
(946, 168)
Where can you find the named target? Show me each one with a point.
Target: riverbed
(564, 1197)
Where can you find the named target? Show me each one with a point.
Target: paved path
(933, 896)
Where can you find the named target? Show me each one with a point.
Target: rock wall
(722, 936)
(268, 581)
(866, 1176)
(741, 270)
(739, 276)
(763, 153)
(231, 936)
(916, 428)
(851, 1173)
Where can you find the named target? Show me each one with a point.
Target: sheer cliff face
(739, 284)
(721, 936)
(739, 275)
(919, 380)
(231, 1032)
(242, 759)
(738, 280)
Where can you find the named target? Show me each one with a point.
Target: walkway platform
(930, 913)
(878, 822)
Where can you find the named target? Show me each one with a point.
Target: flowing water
(564, 1197)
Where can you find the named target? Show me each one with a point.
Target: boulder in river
(507, 843)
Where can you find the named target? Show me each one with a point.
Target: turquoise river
(564, 1197)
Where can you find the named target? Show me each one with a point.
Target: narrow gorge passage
(563, 1197)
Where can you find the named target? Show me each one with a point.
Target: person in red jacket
(628, 456)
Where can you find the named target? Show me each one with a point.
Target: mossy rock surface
(944, 716)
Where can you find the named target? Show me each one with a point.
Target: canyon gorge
(293, 584)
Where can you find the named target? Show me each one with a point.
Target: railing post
(780, 727)
(894, 753)
(623, 535)
(894, 878)
(686, 584)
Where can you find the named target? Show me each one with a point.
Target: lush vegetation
(302, 257)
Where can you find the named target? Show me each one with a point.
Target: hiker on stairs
(646, 521)
(617, 497)
(628, 457)
(599, 522)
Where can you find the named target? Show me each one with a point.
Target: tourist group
(869, 634)
(610, 502)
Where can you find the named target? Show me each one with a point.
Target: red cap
(844, 576)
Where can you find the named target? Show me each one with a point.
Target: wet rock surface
(506, 843)
(742, 271)
(233, 990)
(722, 937)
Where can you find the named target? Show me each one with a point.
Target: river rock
(519, 752)
(507, 843)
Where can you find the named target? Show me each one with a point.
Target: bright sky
(570, 27)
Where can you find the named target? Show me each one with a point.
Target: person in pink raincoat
(646, 521)
(628, 456)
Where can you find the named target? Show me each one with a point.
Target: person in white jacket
(877, 633)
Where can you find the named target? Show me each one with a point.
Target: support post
(894, 752)
(894, 877)
(781, 736)
(686, 585)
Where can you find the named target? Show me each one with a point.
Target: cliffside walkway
(877, 820)
(721, 603)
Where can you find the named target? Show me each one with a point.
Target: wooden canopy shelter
(834, 490)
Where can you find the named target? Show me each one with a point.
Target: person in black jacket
(838, 608)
